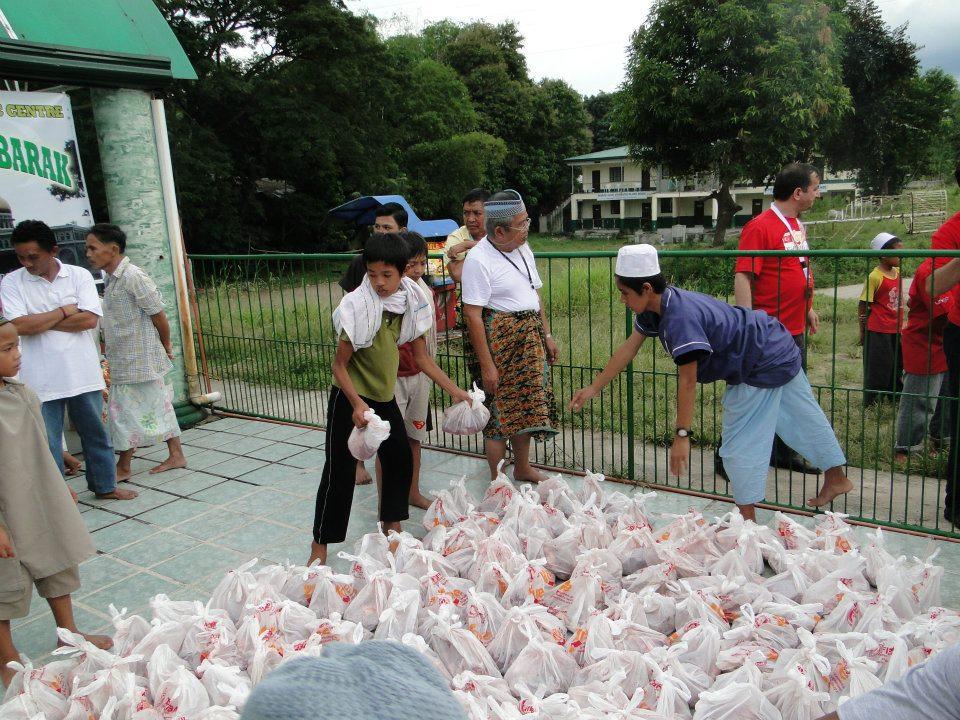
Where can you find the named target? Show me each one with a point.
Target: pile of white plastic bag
(540, 602)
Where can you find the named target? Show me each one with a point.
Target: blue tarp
(362, 210)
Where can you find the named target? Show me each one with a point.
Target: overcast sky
(584, 43)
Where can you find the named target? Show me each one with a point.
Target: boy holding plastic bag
(42, 536)
(386, 311)
(709, 340)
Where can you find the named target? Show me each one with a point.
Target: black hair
(891, 242)
(956, 172)
(476, 195)
(416, 245)
(657, 282)
(388, 248)
(793, 176)
(109, 233)
(34, 231)
(394, 210)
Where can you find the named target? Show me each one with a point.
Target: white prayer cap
(638, 261)
(503, 205)
(883, 239)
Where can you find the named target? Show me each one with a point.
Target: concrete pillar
(654, 209)
(131, 175)
(714, 210)
(574, 209)
(623, 210)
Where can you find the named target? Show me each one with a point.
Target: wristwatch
(683, 432)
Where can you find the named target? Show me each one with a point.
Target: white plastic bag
(542, 665)
(225, 684)
(467, 417)
(363, 442)
(181, 695)
(736, 701)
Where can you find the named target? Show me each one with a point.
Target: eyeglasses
(524, 225)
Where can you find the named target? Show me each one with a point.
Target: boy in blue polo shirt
(709, 340)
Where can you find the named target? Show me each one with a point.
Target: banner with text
(40, 173)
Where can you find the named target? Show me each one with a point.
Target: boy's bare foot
(118, 494)
(170, 463)
(532, 476)
(834, 483)
(318, 552)
(420, 500)
(71, 465)
(363, 477)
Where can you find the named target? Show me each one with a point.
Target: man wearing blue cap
(709, 340)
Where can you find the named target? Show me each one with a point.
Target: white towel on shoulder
(360, 313)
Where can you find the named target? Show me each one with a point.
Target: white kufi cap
(637, 261)
(882, 239)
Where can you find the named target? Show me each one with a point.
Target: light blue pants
(751, 417)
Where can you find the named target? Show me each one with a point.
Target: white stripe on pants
(751, 417)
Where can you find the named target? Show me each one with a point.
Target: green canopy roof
(117, 42)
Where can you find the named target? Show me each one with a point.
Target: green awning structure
(114, 43)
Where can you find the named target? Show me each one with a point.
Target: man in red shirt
(925, 393)
(946, 276)
(782, 286)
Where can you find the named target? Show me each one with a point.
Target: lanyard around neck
(783, 219)
(526, 267)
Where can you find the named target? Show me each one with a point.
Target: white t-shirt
(490, 280)
(55, 364)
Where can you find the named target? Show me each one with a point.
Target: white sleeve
(475, 282)
(87, 298)
(11, 300)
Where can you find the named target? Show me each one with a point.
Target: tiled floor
(249, 492)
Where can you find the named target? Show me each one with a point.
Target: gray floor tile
(251, 538)
(225, 492)
(122, 534)
(281, 432)
(199, 562)
(208, 458)
(272, 474)
(275, 451)
(192, 483)
(101, 571)
(213, 440)
(261, 501)
(133, 593)
(39, 637)
(95, 518)
(156, 548)
(147, 500)
(224, 423)
(247, 444)
(212, 524)
(235, 467)
(176, 512)
(303, 485)
(307, 459)
(297, 515)
(310, 438)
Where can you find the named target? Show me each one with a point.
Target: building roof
(617, 153)
(112, 42)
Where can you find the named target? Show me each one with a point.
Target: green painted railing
(265, 337)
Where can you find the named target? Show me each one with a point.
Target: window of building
(616, 174)
(645, 179)
(666, 206)
(757, 207)
(614, 207)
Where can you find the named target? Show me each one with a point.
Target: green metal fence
(265, 338)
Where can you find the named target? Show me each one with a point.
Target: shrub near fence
(266, 336)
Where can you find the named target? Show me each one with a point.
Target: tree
(601, 109)
(732, 89)
(897, 111)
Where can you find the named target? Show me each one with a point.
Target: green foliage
(749, 84)
(300, 105)
(899, 113)
(601, 107)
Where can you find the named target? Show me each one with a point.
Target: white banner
(40, 173)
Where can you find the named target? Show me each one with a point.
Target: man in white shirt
(510, 335)
(56, 309)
